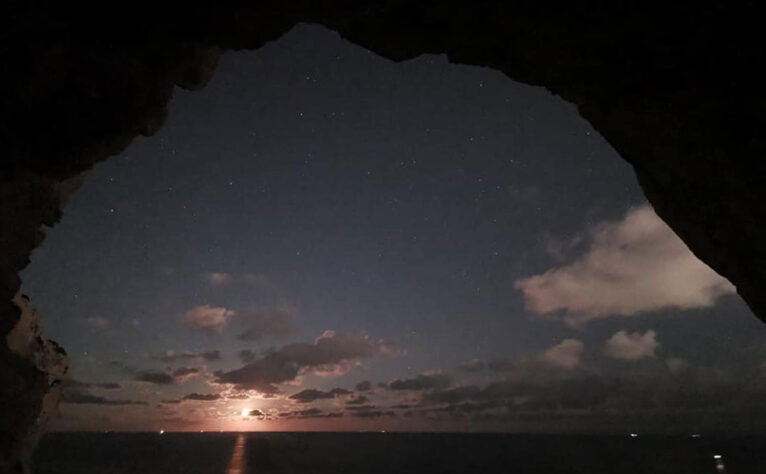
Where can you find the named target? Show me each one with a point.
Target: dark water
(339, 453)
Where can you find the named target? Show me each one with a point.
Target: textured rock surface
(35, 366)
(673, 87)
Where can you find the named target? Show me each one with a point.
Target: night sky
(324, 239)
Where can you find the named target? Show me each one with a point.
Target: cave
(674, 89)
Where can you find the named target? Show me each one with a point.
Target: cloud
(246, 356)
(256, 413)
(452, 395)
(288, 362)
(473, 365)
(88, 385)
(311, 395)
(566, 355)
(309, 413)
(120, 365)
(373, 414)
(207, 318)
(674, 400)
(79, 397)
(532, 394)
(217, 278)
(363, 386)
(649, 394)
(357, 400)
(272, 322)
(422, 382)
(156, 377)
(173, 356)
(360, 407)
(631, 346)
(201, 397)
(185, 373)
(238, 396)
(205, 397)
(634, 265)
(258, 323)
(159, 377)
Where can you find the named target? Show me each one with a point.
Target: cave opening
(319, 169)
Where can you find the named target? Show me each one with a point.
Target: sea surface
(390, 453)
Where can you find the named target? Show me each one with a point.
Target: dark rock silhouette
(676, 90)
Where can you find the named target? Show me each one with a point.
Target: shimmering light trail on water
(237, 463)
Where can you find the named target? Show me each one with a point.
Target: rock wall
(674, 87)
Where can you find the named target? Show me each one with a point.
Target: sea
(391, 453)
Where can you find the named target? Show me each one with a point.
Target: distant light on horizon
(719, 465)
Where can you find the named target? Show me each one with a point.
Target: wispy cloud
(217, 278)
(220, 279)
(374, 414)
(422, 382)
(88, 385)
(171, 356)
(81, 397)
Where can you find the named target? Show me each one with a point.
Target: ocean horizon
(393, 452)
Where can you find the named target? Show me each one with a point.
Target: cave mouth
(33, 195)
(317, 195)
